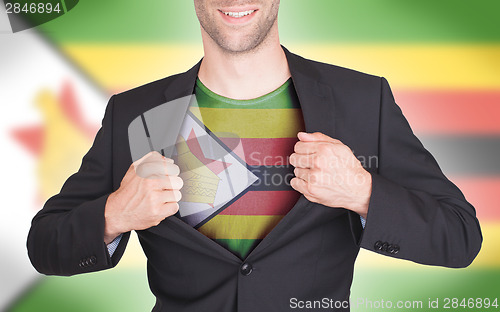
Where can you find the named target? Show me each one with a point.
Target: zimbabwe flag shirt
(262, 132)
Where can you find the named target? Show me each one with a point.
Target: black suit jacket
(415, 212)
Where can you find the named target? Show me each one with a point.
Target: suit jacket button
(384, 246)
(390, 249)
(93, 260)
(378, 245)
(246, 269)
(395, 249)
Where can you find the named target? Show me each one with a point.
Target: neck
(245, 75)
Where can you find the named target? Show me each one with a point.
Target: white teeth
(239, 14)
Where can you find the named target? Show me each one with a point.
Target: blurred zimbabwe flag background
(442, 59)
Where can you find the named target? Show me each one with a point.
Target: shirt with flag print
(262, 132)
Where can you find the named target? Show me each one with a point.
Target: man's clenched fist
(327, 172)
(148, 193)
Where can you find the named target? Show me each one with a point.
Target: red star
(215, 166)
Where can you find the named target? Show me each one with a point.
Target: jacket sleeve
(415, 212)
(67, 235)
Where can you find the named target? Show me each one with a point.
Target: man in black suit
(412, 211)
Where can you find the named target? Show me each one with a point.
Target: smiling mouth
(239, 14)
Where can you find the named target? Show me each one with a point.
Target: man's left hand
(328, 173)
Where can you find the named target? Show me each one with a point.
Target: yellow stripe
(428, 66)
(252, 123)
(239, 227)
(127, 66)
(417, 66)
(488, 256)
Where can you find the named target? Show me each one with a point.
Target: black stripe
(466, 155)
(272, 178)
(145, 125)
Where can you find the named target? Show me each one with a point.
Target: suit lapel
(182, 84)
(181, 87)
(316, 99)
(157, 128)
(317, 104)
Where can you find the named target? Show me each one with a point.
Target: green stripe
(390, 21)
(240, 247)
(339, 21)
(424, 282)
(120, 289)
(282, 98)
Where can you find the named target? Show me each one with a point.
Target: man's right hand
(148, 193)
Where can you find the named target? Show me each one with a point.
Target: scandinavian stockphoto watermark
(328, 171)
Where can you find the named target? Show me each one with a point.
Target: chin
(239, 44)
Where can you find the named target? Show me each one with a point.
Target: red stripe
(262, 203)
(264, 152)
(451, 112)
(483, 194)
